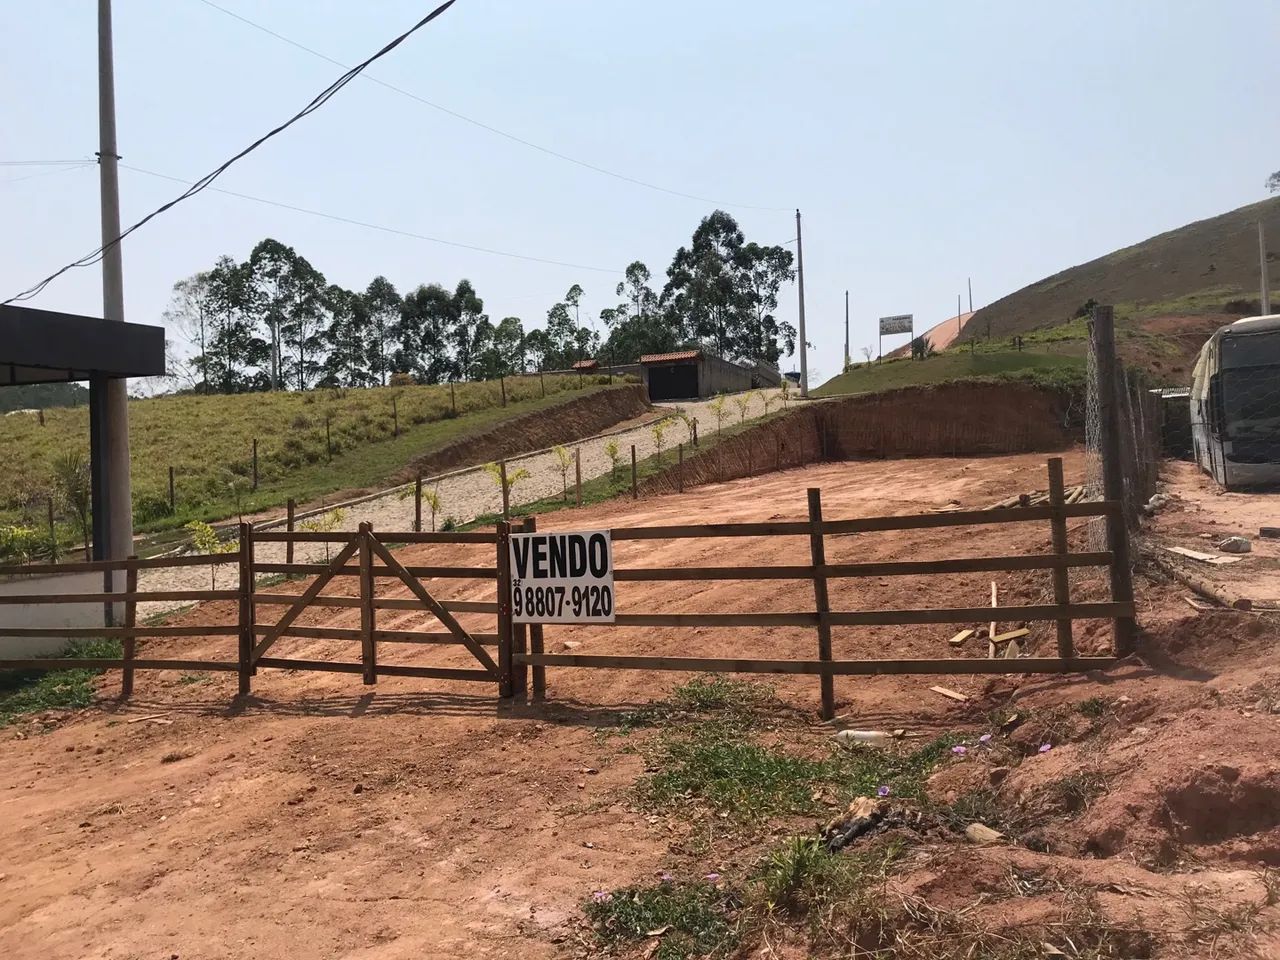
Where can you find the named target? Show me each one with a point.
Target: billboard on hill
(896, 324)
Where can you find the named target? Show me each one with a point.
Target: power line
(41, 163)
(489, 127)
(316, 103)
(79, 165)
(376, 226)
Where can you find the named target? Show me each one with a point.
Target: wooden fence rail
(364, 556)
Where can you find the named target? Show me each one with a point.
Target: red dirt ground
(423, 819)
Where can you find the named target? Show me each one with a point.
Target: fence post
(502, 382)
(417, 504)
(1104, 346)
(245, 648)
(680, 468)
(818, 554)
(577, 473)
(368, 649)
(173, 500)
(506, 688)
(634, 494)
(328, 437)
(695, 434)
(506, 492)
(1061, 576)
(453, 400)
(542, 383)
(130, 620)
(53, 533)
(536, 636)
(395, 419)
(290, 509)
(255, 463)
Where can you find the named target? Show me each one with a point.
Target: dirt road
(414, 819)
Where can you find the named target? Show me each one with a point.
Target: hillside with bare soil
(644, 815)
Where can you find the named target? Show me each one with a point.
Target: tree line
(273, 322)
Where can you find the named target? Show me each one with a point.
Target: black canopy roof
(42, 346)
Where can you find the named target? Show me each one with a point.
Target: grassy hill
(1062, 363)
(208, 440)
(1198, 268)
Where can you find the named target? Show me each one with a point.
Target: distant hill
(36, 396)
(1199, 268)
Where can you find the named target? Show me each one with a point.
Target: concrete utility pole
(846, 328)
(1262, 260)
(804, 347)
(119, 508)
(971, 294)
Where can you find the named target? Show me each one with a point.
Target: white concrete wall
(46, 614)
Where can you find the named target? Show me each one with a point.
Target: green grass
(209, 442)
(686, 919)
(34, 691)
(983, 364)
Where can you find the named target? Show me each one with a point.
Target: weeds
(686, 919)
(1094, 708)
(1217, 927)
(33, 691)
(1074, 792)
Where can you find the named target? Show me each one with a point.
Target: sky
(924, 143)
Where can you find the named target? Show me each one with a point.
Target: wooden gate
(374, 561)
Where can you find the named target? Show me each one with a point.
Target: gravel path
(466, 494)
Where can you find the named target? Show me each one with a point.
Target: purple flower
(882, 791)
(602, 896)
(1046, 747)
(959, 749)
(985, 738)
(712, 878)
(665, 877)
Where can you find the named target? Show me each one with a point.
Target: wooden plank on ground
(961, 637)
(836, 667)
(950, 694)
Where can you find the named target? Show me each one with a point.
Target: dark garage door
(676, 381)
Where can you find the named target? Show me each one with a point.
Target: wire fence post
(290, 510)
(255, 463)
(417, 504)
(53, 532)
(1104, 346)
(328, 437)
(634, 494)
(395, 419)
(173, 499)
(368, 648)
(502, 383)
(245, 645)
(130, 621)
(453, 399)
(542, 383)
(1061, 576)
(506, 490)
(822, 603)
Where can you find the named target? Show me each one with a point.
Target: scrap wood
(991, 632)
(1011, 635)
(153, 717)
(961, 637)
(1197, 605)
(1203, 557)
(950, 694)
(1210, 591)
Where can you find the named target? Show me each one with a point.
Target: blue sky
(924, 142)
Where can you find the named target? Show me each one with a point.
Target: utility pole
(804, 347)
(119, 525)
(846, 328)
(971, 294)
(1262, 260)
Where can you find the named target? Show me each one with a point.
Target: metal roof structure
(669, 357)
(42, 346)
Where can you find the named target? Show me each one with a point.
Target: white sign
(899, 324)
(562, 577)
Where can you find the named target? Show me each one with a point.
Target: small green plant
(921, 348)
(513, 477)
(564, 460)
(785, 387)
(802, 876)
(325, 523)
(766, 401)
(205, 540)
(431, 500)
(611, 451)
(716, 406)
(71, 478)
(689, 919)
(34, 691)
(1094, 707)
(743, 402)
(23, 544)
(659, 431)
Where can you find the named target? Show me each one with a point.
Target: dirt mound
(574, 420)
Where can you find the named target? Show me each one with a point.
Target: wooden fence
(520, 650)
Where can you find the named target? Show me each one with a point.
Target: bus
(1235, 404)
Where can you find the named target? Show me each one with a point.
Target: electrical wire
(316, 103)
(79, 165)
(41, 163)
(489, 127)
(375, 226)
